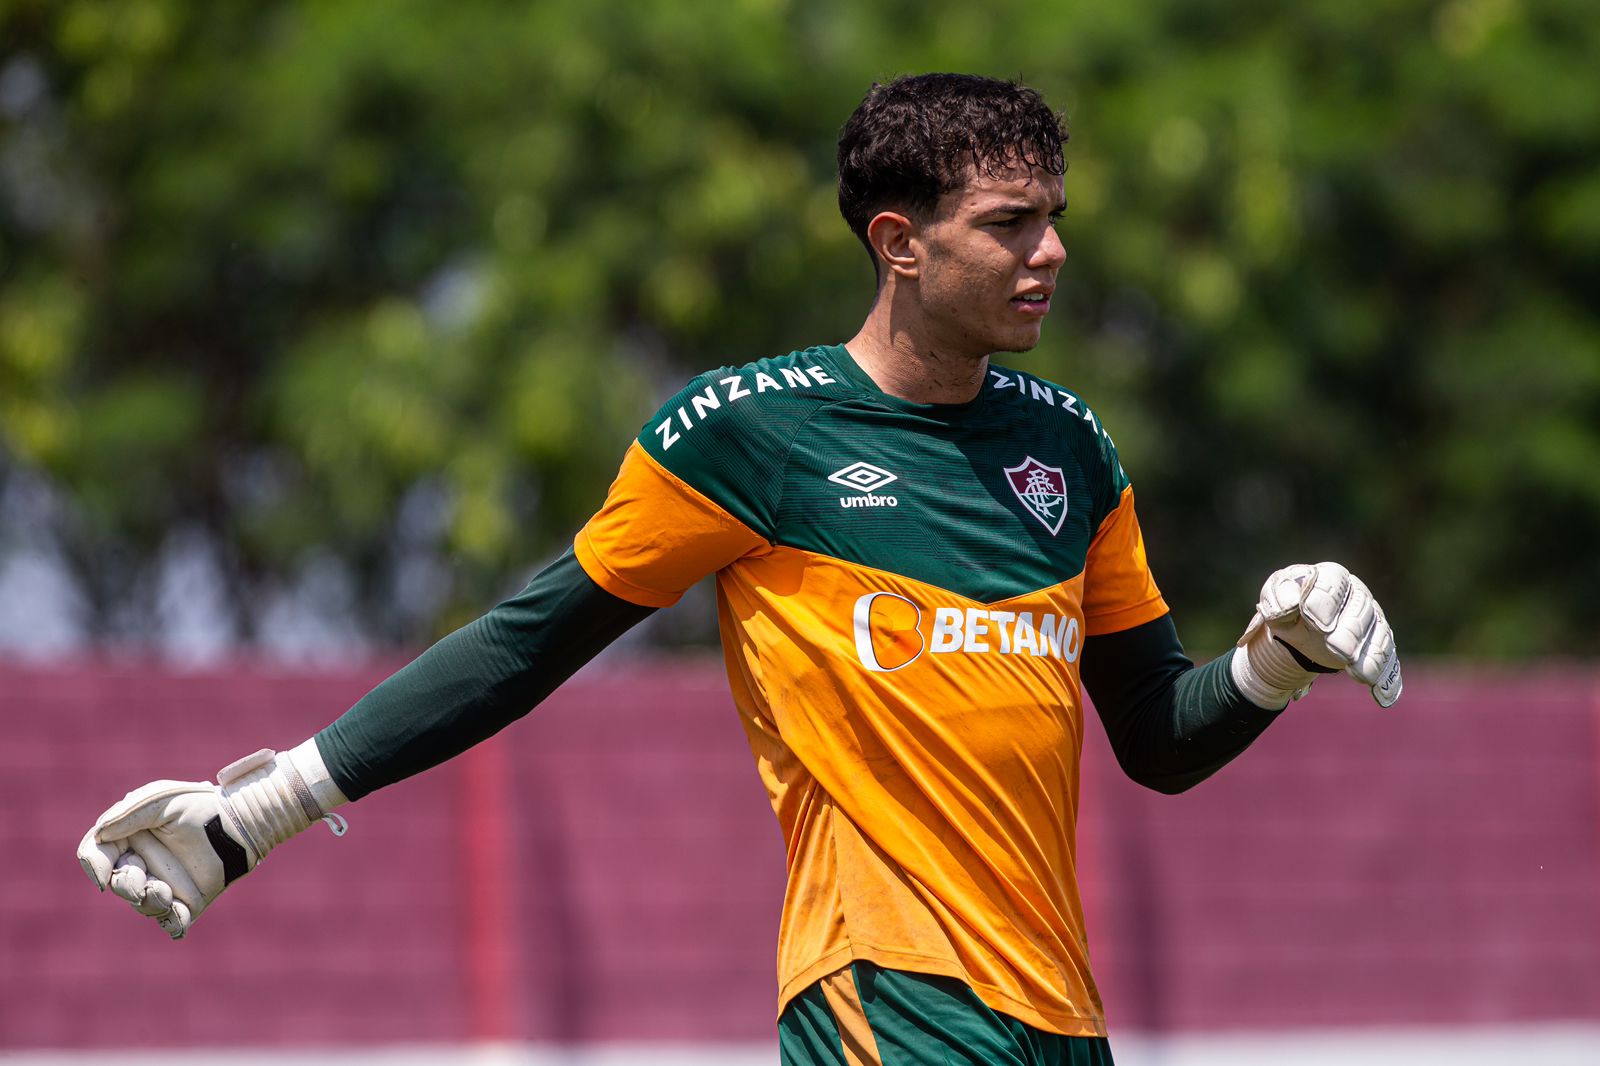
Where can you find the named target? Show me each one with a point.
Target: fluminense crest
(1042, 490)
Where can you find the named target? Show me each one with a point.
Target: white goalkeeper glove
(171, 847)
(1314, 620)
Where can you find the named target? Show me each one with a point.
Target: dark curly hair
(914, 139)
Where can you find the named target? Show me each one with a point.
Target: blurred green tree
(380, 285)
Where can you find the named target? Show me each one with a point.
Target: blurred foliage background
(323, 324)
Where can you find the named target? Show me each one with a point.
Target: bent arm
(476, 681)
(1171, 725)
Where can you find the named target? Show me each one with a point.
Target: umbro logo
(867, 479)
(863, 477)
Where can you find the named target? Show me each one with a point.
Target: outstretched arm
(477, 680)
(171, 847)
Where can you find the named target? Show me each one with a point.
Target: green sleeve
(1170, 724)
(476, 681)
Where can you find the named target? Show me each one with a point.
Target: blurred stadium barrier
(1547, 1045)
(1413, 885)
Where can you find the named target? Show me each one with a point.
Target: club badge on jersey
(1042, 490)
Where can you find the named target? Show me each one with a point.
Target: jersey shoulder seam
(788, 450)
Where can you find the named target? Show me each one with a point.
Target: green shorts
(864, 1015)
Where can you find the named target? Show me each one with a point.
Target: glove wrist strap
(1267, 674)
(268, 800)
(307, 758)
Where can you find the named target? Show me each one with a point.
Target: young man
(917, 552)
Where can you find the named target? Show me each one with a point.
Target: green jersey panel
(991, 499)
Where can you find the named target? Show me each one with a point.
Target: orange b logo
(887, 634)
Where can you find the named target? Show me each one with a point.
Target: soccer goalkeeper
(918, 555)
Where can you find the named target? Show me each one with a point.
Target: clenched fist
(1310, 620)
(170, 847)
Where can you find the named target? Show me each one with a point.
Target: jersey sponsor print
(890, 632)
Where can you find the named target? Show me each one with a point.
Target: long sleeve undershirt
(477, 680)
(1170, 725)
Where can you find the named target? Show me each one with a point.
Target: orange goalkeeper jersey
(903, 592)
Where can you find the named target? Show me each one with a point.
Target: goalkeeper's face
(988, 262)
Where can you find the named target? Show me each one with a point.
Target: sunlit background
(324, 325)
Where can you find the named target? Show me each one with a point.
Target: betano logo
(889, 633)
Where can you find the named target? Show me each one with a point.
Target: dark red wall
(608, 869)
(1436, 863)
